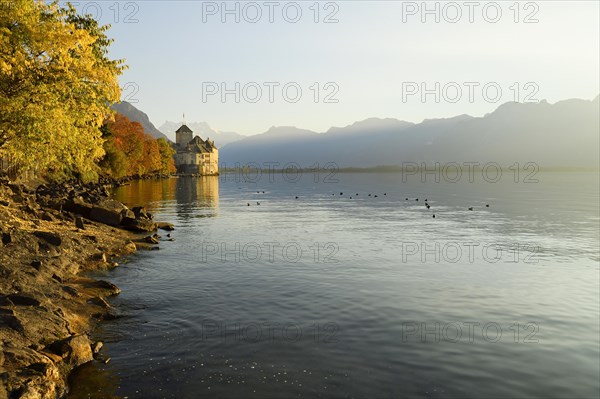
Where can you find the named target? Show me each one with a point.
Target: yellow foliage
(56, 86)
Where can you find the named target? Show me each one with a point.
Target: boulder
(79, 223)
(107, 216)
(70, 290)
(16, 188)
(99, 301)
(9, 319)
(6, 238)
(101, 256)
(37, 264)
(49, 237)
(37, 375)
(97, 346)
(47, 217)
(140, 212)
(114, 290)
(76, 350)
(165, 226)
(130, 247)
(151, 240)
(127, 214)
(78, 206)
(18, 300)
(140, 225)
(112, 204)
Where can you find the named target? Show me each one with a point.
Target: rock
(76, 350)
(29, 209)
(79, 223)
(36, 264)
(165, 226)
(140, 225)
(37, 377)
(151, 240)
(98, 301)
(67, 216)
(112, 205)
(70, 290)
(16, 188)
(6, 238)
(18, 300)
(9, 319)
(49, 237)
(4, 203)
(114, 290)
(127, 221)
(57, 278)
(96, 347)
(92, 238)
(47, 217)
(106, 216)
(106, 316)
(130, 247)
(102, 257)
(127, 214)
(140, 212)
(79, 206)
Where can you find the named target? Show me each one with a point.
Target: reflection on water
(146, 192)
(191, 197)
(193, 194)
(382, 319)
(100, 383)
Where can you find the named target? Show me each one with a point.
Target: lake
(371, 296)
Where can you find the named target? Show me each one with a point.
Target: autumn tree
(115, 162)
(128, 139)
(132, 152)
(166, 157)
(151, 160)
(56, 85)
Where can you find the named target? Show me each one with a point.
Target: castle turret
(183, 135)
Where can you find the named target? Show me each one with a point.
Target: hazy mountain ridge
(564, 134)
(136, 115)
(203, 130)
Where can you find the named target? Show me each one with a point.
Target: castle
(193, 155)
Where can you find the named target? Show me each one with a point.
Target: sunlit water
(327, 296)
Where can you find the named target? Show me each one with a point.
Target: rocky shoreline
(52, 236)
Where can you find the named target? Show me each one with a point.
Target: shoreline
(53, 237)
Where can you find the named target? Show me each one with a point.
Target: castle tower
(183, 135)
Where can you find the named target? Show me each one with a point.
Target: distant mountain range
(564, 134)
(203, 130)
(136, 115)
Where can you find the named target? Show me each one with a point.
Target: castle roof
(198, 145)
(184, 129)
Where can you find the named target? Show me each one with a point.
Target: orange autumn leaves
(132, 152)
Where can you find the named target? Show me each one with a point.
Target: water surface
(327, 296)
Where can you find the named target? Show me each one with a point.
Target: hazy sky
(378, 56)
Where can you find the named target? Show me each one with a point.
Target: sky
(315, 65)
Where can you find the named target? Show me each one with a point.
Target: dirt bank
(52, 235)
